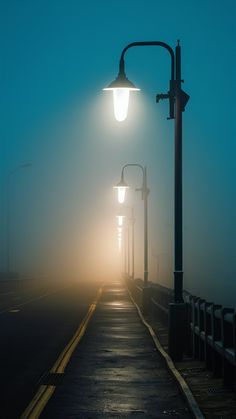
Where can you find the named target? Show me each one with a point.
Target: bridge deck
(116, 371)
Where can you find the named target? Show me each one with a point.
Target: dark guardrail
(211, 328)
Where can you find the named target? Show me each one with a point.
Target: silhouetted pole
(132, 220)
(178, 274)
(177, 310)
(128, 249)
(145, 193)
(130, 227)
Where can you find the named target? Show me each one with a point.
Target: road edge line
(44, 393)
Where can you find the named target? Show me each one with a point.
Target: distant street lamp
(8, 215)
(132, 221)
(178, 99)
(120, 220)
(145, 191)
(130, 239)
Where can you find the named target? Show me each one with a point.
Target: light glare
(121, 103)
(121, 194)
(120, 220)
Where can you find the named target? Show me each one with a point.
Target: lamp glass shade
(121, 87)
(121, 194)
(121, 103)
(121, 189)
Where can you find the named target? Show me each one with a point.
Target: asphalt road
(36, 323)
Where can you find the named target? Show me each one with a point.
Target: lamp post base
(177, 330)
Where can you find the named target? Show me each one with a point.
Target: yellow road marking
(45, 392)
(62, 361)
(38, 403)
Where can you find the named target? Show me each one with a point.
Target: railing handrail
(211, 328)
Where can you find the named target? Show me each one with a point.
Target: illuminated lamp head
(121, 189)
(121, 87)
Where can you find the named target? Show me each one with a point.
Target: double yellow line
(45, 392)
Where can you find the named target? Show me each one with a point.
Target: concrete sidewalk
(116, 370)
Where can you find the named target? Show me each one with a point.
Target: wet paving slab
(116, 370)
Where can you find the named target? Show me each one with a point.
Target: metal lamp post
(178, 99)
(8, 215)
(145, 192)
(132, 221)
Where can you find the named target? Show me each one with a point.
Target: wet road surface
(36, 323)
(116, 371)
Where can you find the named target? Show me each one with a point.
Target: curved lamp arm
(148, 43)
(131, 164)
(144, 189)
(122, 86)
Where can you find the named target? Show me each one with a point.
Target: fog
(56, 116)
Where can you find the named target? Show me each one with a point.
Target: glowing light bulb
(121, 189)
(121, 194)
(120, 220)
(121, 87)
(121, 103)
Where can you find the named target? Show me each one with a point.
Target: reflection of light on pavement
(116, 304)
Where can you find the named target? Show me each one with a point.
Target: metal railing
(211, 328)
(213, 337)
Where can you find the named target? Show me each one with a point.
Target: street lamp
(132, 221)
(121, 235)
(9, 177)
(145, 191)
(177, 101)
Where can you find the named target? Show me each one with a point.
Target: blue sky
(56, 56)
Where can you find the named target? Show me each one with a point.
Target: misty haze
(63, 148)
